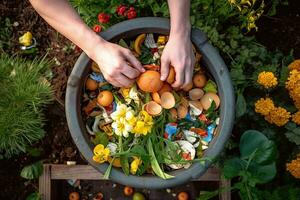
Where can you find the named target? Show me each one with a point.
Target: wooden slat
(212, 174)
(45, 183)
(84, 172)
(226, 184)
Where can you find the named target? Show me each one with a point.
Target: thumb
(164, 69)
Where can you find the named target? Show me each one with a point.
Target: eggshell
(173, 113)
(199, 80)
(196, 94)
(153, 108)
(91, 84)
(171, 76)
(156, 97)
(165, 88)
(182, 111)
(197, 104)
(167, 100)
(188, 87)
(207, 99)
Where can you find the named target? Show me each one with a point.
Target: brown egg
(167, 100)
(171, 76)
(105, 98)
(199, 80)
(182, 111)
(74, 196)
(208, 98)
(165, 88)
(149, 81)
(91, 84)
(196, 94)
(153, 108)
(188, 87)
(156, 97)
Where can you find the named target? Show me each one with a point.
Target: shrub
(24, 92)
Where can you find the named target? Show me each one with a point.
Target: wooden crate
(86, 172)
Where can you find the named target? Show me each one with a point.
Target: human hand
(117, 64)
(178, 52)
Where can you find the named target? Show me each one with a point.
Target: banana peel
(138, 43)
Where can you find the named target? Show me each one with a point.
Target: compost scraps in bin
(150, 127)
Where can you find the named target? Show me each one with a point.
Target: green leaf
(34, 152)
(241, 105)
(262, 173)
(254, 143)
(206, 195)
(155, 165)
(210, 86)
(32, 171)
(100, 138)
(122, 43)
(294, 136)
(232, 167)
(124, 164)
(34, 196)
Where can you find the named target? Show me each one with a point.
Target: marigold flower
(101, 154)
(267, 79)
(293, 86)
(296, 117)
(103, 18)
(135, 165)
(264, 106)
(294, 167)
(295, 65)
(278, 116)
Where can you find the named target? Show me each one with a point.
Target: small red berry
(97, 28)
(121, 9)
(103, 18)
(131, 14)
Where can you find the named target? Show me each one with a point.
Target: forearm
(62, 17)
(180, 17)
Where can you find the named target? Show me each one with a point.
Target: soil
(281, 31)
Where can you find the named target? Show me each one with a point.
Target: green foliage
(32, 171)
(293, 133)
(5, 33)
(24, 93)
(289, 192)
(34, 196)
(256, 164)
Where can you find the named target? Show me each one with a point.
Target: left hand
(178, 52)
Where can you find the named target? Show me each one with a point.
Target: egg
(196, 94)
(153, 108)
(105, 98)
(188, 87)
(171, 76)
(149, 81)
(199, 80)
(208, 98)
(165, 88)
(167, 100)
(156, 97)
(91, 84)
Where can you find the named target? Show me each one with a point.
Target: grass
(24, 92)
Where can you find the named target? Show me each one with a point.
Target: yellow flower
(293, 86)
(144, 123)
(295, 65)
(135, 165)
(125, 92)
(26, 39)
(278, 116)
(101, 154)
(294, 167)
(296, 117)
(267, 79)
(264, 106)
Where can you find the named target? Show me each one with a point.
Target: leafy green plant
(34, 196)
(24, 93)
(32, 171)
(5, 33)
(255, 165)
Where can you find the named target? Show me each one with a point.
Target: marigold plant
(296, 117)
(278, 116)
(295, 65)
(293, 86)
(264, 106)
(267, 79)
(294, 167)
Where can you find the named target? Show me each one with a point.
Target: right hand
(117, 64)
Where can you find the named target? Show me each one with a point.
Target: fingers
(180, 77)
(130, 72)
(188, 74)
(111, 80)
(133, 61)
(123, 80)
(164, 69)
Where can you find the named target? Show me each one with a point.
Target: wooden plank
(45, 183)
(84, 172)
(87, 172)
(225, 184)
